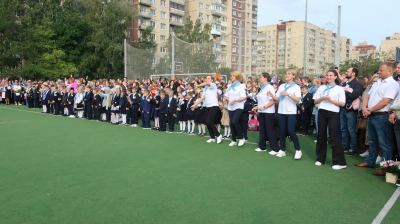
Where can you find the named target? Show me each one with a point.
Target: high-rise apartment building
(388, 46)
(363, 50)
(231, 20)
(282, 45)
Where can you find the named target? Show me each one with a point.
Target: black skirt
(190, 117)
(102, 110)
(79, 106)
(200, 116)
(8, 93)
(122, 110)
(217, 118)
(182, 116)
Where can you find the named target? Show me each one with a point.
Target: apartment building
(363, 50)
(390, 44)
(227, 17)
(281, 45)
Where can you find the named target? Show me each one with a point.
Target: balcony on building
(254, 25)
(145, 14)
(261, 37)
(176, 23)
(145, 2)
(215, 32)
(176, 11)
(142, 26)
(223, 42)
(255, 2)
(218, 13)
(181, 2)
(220, 2)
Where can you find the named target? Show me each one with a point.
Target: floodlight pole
(173, 53)
(305, 44)
(125, 58)
(338, 38)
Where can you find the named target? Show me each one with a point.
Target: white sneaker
(315, 141)
(281, 153)
(365, 154)
(298, 154)
(72, 116)
(273, 153)
(318, 163)
(232, 143)
(338, 167)
(241, 142)
(260, 150)
(378, 159)
(219, 139)
(210, 140)
(315, 131)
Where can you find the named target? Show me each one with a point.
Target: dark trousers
(55, 108)
(96, 110)
(71, 109)
(108, 114)
(30, 102)
(287, 125)
(171, 122)
(235, 124)
(267, 129)
(210, 114)
(146, 119)
(245, 125)
(328, 118)
(88, 110)
(36, 102)
(48, 108)
(135, 116)
(396, 148)
(305, 117)
(129, 116)
(162, 121)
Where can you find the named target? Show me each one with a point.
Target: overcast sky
(362, 20)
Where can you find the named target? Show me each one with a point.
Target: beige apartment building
(281, 45)
(363, 50)
(390, 43)
(227, 17)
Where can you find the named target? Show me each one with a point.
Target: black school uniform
(35, 98)
(70, 101)
(200, 115)
(123, 102)
(135, 98)
(96, 106)
(182, 113)
(171, 110)
(87, 99)
(54, 101)
(155, 106)
(190, 115)
(163, 109)
(305, 116)
(244, 118)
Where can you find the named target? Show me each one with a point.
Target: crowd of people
(347, 109)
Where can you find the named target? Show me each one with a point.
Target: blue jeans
(287, 125)
(379, 134)
(348, 121)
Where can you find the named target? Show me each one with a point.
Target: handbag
(362, 123)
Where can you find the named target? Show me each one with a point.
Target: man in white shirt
(376, 106)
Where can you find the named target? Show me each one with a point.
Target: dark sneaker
(351, 153)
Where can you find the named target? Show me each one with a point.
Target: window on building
(154, 60)
(200, 5)
(234, 40)
(247, 50)
(234, 22)
(248, 24)
(234, 12)
(290, 29)
(142, 9)
(208, 17)
(247, 68)
(233, 58)
(153, 1)
(163, 15)
(234, 3)
(143, 22)
(162, 50)
(163, 2)
(207, 7)
(233, 49)
(162, 37)
(153, 12)
(153, 36)
(163, 27)
(153, 24)
(201, 15)
(247, 59)
(248, 6)
(240, 14)
(248, 15)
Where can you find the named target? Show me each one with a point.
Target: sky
(362, 20)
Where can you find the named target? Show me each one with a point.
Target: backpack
(253, 125)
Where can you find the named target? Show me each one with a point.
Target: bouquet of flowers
(390, 166)
(300, 103)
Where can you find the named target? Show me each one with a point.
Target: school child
(135, 99)
(225, 119)
(35, 97)
(305, 108)
(78, 102)
(105, 105)
(200, 117)
(115, 105)
(87, 102)
(64, 102)
(29, 93)
(129, 107)
(218, 115)
(43, 93)
(171, 111)
(244, 118)
(252, 97)
(190, 114)
(163, 109)
(97, 104)
(141, 104)
(181, 108)
(55, 99)
(146, 109)
(70, 101)
(156, 109)
(124, 103)
(47, 99)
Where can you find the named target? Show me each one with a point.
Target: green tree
(193, 33)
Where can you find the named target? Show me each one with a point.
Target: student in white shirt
(210, 98)
(375, 106)
(236, 96)
(329, 99)
(266, 115)
(288, 95)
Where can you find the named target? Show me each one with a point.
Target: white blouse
(240, 91)
(336, 93)
(263, 99)
(286, 104)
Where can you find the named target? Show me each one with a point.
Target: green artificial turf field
(62, 170)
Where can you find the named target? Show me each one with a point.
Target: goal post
(191, 76)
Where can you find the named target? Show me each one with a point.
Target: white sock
(112, 118)
(44, 108)
(192, 126)
(225, 130)
(229, 131)
(204, 128)
(124, 118)
(180, 125)
(189, 126)
(157, 122)
(184, 125)
(199, 127)
(104, 117)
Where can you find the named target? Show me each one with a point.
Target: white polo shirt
(336, 93)
(387, 88)
(236, 94)
(287, 105)
(263, 99)
(210, 96)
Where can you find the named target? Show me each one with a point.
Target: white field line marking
(387, 207)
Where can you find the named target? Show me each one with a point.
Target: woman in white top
(330, 98)
(236, 96)
(288, 95)
(210, 98)
(266, 115)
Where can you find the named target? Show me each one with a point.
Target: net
(190, 58)
(189, 77)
